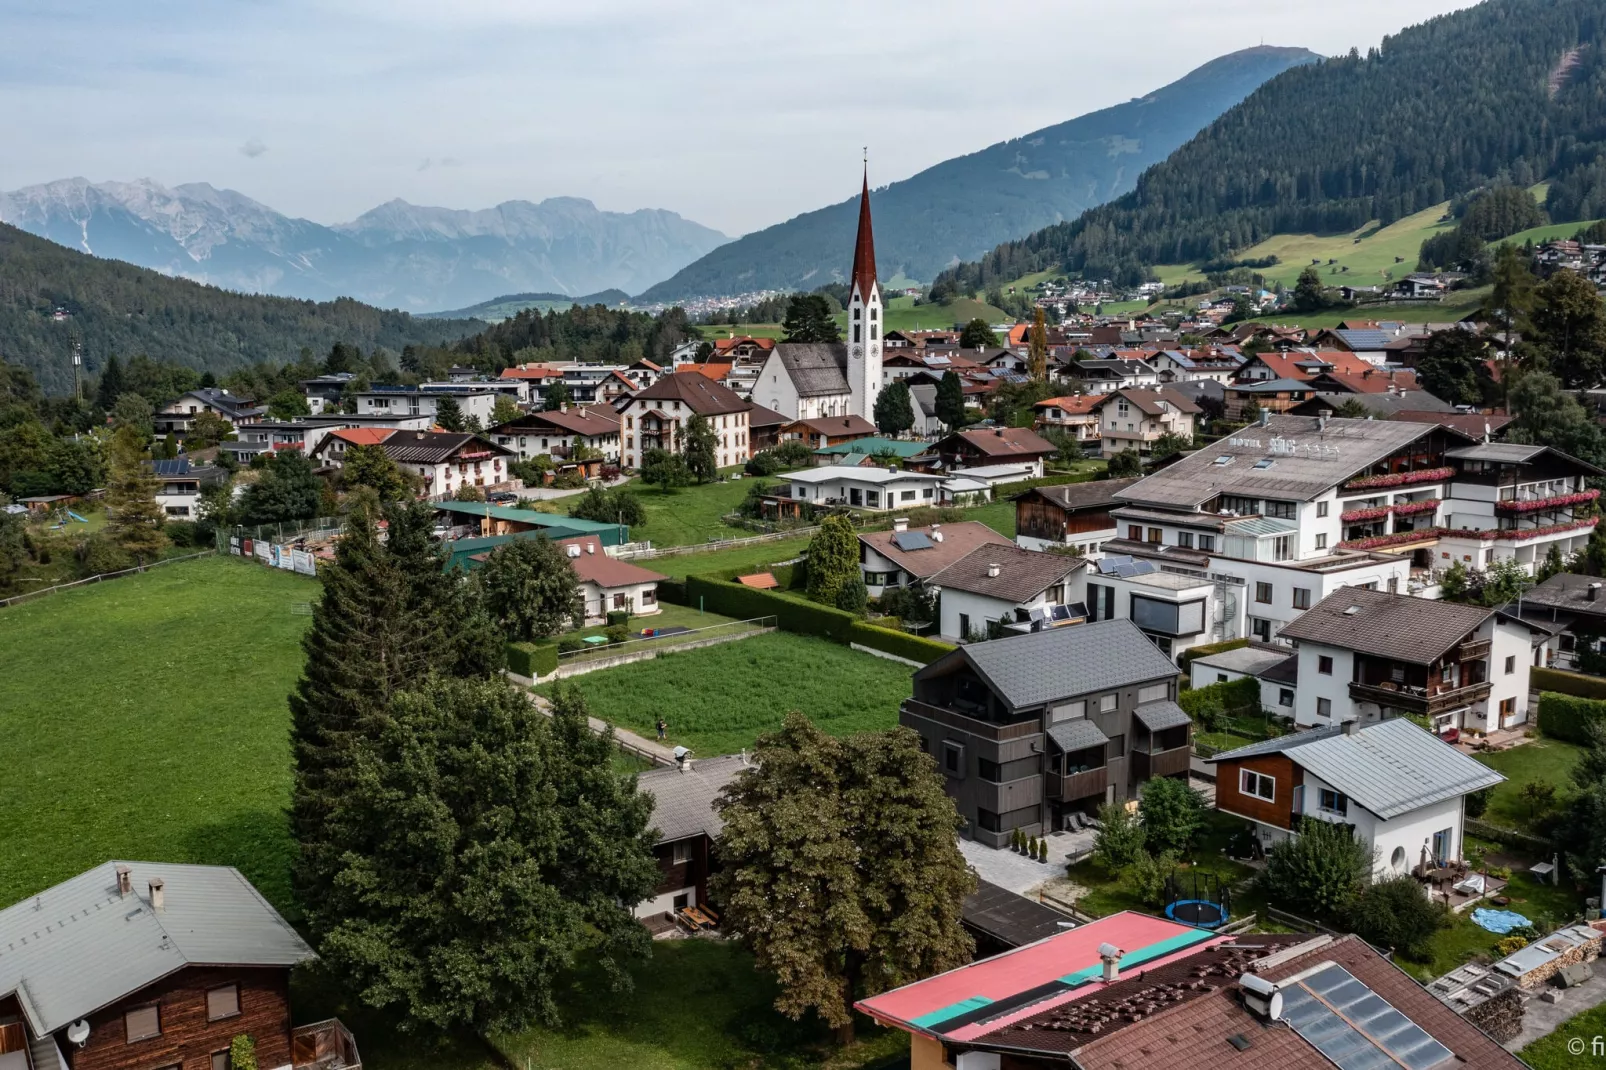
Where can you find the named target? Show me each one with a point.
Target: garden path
(650, 749)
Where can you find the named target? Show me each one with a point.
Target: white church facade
(814, 380)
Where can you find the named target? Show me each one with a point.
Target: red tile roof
(1075, 404)
(530, 371)
(723, 346)
(363, 436)
(595, 566)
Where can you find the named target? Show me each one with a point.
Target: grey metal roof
(1075, 735)
(816, 368)
(1249, 660)
(1390, 767)
(1501, 452)
(1011, 918)
(1320, 459)
(1022, 574)
(1158, 716)
(77, 947)
(1395, 626)
(1030, 670)
(683, 801)
(1088, 495)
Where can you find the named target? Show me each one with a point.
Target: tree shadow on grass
(257, 843)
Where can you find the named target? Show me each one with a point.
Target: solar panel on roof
(1108, 564)
(1356, 1028)
(912, 540)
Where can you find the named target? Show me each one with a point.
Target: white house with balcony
(1402, 790)
(473, 400)
(879, 489)
(1134, 418)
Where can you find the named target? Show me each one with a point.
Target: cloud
(253, 148)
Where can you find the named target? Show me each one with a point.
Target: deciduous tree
(1569, 329)
(288, 404)
(977, 334)
(1546, 415)
(1037, 351)
(531, 589)
(288, 489)
(556, 396)
(1172, 814)
(664, 469)
(1318, 873)
(370, 466)
(609, 507)
(858, 841)
(698, 445)
(506, 410)
(1452, 367)
(1125, 464)
(132, 410)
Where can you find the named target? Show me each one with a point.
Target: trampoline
(1198, 899)
(1200, 912)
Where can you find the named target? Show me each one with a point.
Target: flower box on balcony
(1519, 534)
(1535, 505)
(1417, 508)
(1400, 479)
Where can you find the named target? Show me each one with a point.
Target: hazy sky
(735, 113)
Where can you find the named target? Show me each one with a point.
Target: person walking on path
(662, 729)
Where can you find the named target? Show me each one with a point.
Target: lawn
(696, 1005)
(145, 718)
(755, 558)
(1584, 1031)
(718, 699)
(1108, 893)
(1543, 904)
(1546, 760)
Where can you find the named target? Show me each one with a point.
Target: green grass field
(145, 718)
(755, 557)
(1582, 1030)
(718, 699)
(1548, 761)
(1547, 233)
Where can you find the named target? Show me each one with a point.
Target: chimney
(125, 882)
(900, 523)
(999, 431)
(1349, 728)
(1110, 956)
(992, 572)
(158, 895)
(1265, 417)
(1594, 592)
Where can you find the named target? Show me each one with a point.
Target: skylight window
(1225, 458)
(1265, 462)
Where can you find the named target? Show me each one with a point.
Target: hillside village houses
(905, 556)
(177, 417)
(1071, 515)
(1135, 419)
(556, 433)
(445, 461)
(1009, 586)
(472, 401)
(656, 418)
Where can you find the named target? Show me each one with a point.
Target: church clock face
(857, 352)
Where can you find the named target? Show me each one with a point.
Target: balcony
(998, 733)
(1147, 765)
(1418, 699)
(1081, 785)
(1476, 650)
(326, 1045)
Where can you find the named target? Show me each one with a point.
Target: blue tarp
(1499, 921)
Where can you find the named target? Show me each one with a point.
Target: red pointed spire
(863, 278)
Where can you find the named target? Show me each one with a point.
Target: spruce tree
(134, 520)
(894, 409)
(951, 400)
(111, 386)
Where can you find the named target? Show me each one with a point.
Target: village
(1180, 680)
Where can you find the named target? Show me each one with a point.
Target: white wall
(1508, 641)
(599, 600)
(664, 904)
(979, 608)
(1314, 685)
(891, 493)
(1407, 832)
(1087, 541)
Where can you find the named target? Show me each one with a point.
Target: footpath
(650, 749)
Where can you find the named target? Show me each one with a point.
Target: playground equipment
(1199, 899)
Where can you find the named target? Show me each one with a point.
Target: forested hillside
(110, 307)
(962, 207)
(1511, 89)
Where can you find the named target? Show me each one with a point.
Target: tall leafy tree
(1546, 415)
(370, 466)
(894, 409)
(288, 404)
(1309, 294)
(606, 506)
(506, 410)
(1513, 295)
(486, 850)
(1569, 329)
(531, 590)
(1172, 815)
(1318, 873)
(13, 548)
(697, 446)
(951, 400)
(809, 319)
(1452, 367)
(977, 334)
(833, 558)
(557, 396)
(664, 469)
(133, 410)
(857, 838)
(1037, 351)
(288, 489)
(134, 520)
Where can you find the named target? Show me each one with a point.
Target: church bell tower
(866, 319)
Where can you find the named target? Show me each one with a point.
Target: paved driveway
(1540, 1019)
(1020, 874)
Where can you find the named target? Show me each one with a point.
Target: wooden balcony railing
(1418, 699)
(1081, 785)
(976, 727)
(1149, 764)
(1476, 650)
(326, 1045)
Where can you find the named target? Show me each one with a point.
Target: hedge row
(1185, 659)
(899, 644)
(1569, 683)
(534, 660)
(793, 614)
(1508, 836)
(1569, 718)
(1234, 696)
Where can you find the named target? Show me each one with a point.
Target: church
(810, 381)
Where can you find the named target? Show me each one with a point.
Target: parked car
(502, 497)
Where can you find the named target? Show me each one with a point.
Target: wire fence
(29, 595)
(669, 641)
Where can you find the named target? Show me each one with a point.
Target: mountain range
(960, 208)
(1508, 91)
(397, 255)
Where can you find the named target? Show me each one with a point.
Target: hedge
(1568, 683)
(1568, 718)
(1509, 837)
(793, 614)
(534, 660)
(1234, 696)
(900, 644)
(1185, 659)
(673, 592)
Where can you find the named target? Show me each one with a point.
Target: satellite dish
(78, 1032)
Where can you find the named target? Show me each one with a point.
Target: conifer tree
(894, 409)
(951, 400)
(833, 558)
(111, 386)
(134, 519)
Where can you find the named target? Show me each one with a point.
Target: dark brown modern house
(1033, 728)
(154, 966)
(1076, 514)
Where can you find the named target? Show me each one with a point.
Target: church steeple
(864, 315)
(863, 278)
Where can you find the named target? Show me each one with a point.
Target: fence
(14, 599)
(712, 545)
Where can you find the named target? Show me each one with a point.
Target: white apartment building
(472, 401)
